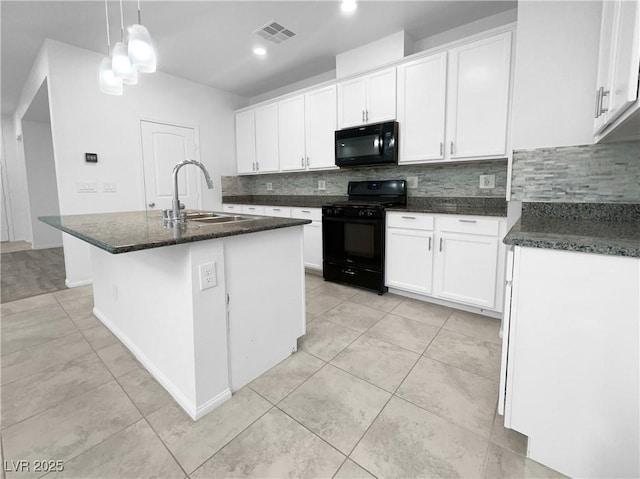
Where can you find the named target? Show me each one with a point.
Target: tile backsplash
(437, 180)
(602, 173)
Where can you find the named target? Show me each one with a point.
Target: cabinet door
(465, 268)
(352, 100)
(421, 104)
(267, 138)
(313, 245)
(245, 142)
(478, 97)
(626, 59)
(381, 96)
(253, 210)
(605, 62)
(409, 260)
(291, 134)
(321, 124)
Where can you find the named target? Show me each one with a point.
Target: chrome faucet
(175, 212)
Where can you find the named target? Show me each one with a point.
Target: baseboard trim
(451, 304)
(46, 246)
(194, 411)
(75, 284)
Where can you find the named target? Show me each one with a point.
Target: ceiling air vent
(274, 32)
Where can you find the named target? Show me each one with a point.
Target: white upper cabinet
(618, 61)
(267, 156)
(321, 124)
(367, 99)
(291, 126)
(421, 109)
(478, 98)
(245, 142)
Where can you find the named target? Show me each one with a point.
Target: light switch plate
(87, 187)
(109, 187)
(412, 182)
(322, 185)
(269, 186)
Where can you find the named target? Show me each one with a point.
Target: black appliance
(367, 145)
(353, 233)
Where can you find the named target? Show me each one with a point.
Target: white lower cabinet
(312, 231)
(312, 235)
(451, 257)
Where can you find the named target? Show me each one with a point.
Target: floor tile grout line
(459, 368)
(4, 458)
(233, 438)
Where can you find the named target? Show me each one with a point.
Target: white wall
(41, 181)
(16, 183)
(555, 73)
(85, 120)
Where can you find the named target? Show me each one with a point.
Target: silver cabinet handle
(441, 245)
(305, 211)
(253, 167)
(257, 166)
(598, 94)
(307, 161)
(429, 243)
(451, 147)
(441, 148)
(151, 205)
(602, 95)
(348, 271)
(408, 217)
(468, 221)
(276, 209)
(362, 116)
(367, 116)
(302, 161)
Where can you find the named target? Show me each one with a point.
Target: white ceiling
(211, 42)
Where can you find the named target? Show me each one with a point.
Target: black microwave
(367, 145)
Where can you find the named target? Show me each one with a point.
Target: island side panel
(265, 282)
(149, 300)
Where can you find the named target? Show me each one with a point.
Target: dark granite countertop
(587, 229)
(138, 230)
(436, 205)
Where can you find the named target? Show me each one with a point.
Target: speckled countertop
(586, 228)
(138, 230)
(448, 205)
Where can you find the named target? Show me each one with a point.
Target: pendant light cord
(121, 23)
(106, 16)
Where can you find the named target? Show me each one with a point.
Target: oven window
(359, 240)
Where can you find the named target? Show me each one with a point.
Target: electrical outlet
(412, 182)
(322, 185)
(487, 181)
(208, 277)
(87, 187)
(109, 187)
(269, 186)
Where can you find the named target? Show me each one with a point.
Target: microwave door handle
(380, 144)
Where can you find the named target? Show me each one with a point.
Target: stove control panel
(352, 211)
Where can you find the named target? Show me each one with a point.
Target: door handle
(429, 243)
(451, 150)
(152, 204)
(441, 245)
(441, 148)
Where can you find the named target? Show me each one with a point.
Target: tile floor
(381, 386)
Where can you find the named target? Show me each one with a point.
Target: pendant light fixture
(109, 84)
(142, 51)
(122, 67)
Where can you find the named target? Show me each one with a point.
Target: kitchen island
(205, 306)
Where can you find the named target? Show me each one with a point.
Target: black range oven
(353, 233)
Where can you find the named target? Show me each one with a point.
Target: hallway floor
(380, 386)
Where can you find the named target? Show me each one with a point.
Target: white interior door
(4, 229)
(162, 147)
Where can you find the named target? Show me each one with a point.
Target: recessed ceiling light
(259, 51)
(348, 6)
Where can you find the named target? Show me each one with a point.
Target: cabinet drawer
(412, 221)
(253, 210)
(278, 211)
(470, 225)
(232, 208)
(313, 214)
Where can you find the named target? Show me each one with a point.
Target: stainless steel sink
(196, 215)
(219, 219)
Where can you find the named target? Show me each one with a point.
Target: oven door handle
(361, 221)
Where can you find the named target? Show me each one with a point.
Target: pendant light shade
(109, 84)
(142, 51)
(122, 67)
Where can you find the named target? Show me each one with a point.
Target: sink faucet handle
(182, 206)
